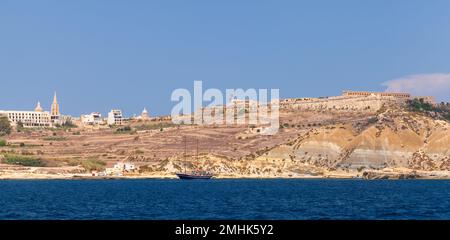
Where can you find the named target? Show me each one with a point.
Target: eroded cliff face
(395, 143)
(395, 139)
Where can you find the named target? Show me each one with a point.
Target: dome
(144, 114)
(38, 107)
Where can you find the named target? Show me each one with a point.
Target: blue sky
(100, 55)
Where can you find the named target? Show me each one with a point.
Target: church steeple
(55, 106)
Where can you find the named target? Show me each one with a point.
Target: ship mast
(197, 153)
(185, 147)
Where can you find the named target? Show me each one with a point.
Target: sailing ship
(196, 174)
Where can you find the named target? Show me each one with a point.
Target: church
(36, 118)
(144, 115)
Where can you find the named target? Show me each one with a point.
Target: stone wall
(349, 93)
(340, 103)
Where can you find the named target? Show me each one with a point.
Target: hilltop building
(351, 101)
(55, 115)
(144, 115)
(36, 118)
(403, 96)
(28, 118)
(95, 118)
(115, 117)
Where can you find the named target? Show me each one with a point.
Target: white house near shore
(117, 170)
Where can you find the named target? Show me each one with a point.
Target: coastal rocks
(369, 175)
(421, 161)
(445, 164)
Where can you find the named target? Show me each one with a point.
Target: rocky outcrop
(378, 175)
(397, 139)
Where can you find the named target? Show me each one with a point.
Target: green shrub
(418, 105)
(125, 129)
(442, 110)
(23, 160)
(3, 142)
(92, 164)
(372, 120)
(19, 127)
(5, 126)
(447, 116)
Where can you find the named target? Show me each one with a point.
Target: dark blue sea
(224, 199)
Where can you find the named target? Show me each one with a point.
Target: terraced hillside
(308, 144)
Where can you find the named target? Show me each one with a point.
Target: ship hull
(185, 176)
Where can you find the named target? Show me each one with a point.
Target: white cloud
(435, 84)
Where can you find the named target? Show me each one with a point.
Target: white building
(64, 119)
(115, 117)
(118, 169)
(36, 118)
(122, 166)
(144, 115)
(94, 118)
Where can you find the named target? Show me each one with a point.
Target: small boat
(193, 174)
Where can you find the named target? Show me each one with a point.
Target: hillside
(387, 142)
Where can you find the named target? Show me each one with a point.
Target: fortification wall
(340, 103)
(381, 94)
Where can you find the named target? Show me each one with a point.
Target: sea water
(225, 199)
